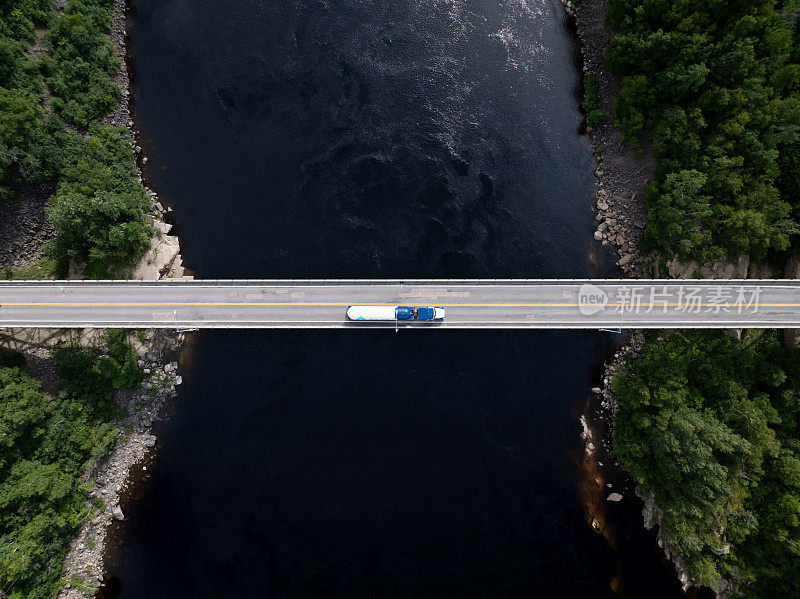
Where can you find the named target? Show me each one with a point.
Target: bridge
(476, 304)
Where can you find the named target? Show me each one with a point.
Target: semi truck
(390, 313)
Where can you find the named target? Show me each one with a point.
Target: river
(372, 139)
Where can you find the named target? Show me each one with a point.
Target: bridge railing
(418, 282)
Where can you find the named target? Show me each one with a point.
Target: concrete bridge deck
(513, 303)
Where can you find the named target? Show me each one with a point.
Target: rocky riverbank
(25, 231)
(621, 178)
(83, 566)
(622, 172)
(651, 513)
(163, 260)
(26, 228)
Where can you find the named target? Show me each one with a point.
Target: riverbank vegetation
(711, 427)
(591, 101)
(48, 446)
(715, 87)
(56, 71)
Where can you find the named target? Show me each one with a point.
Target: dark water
(370, 139)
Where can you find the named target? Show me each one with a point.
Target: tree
(711, 427)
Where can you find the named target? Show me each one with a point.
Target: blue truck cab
(404, 313)
(430, 313)
(418, 313)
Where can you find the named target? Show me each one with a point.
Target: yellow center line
(456, 305)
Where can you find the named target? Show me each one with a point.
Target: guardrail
(417, 282)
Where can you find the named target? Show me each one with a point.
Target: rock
(649, 510)
(762, 270)
(614, 497)
(603, 227)
(150, 442)
(735, 334)
(598, 235)
(164, 249)
(602, 206)
(721, 269)
(682, 270)
(792, 269)
(724, 550)
(596, 390)
(742, 264)
(625, 259)
(116, 513)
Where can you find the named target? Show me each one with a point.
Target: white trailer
(383, 313)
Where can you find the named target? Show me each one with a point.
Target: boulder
(163, 252)
(742, 264)
(792, 270)
(735, 334)
(682, 270)
(116, 513)
(614, 497)
(720, 269)
(724, 550)
(761, 270)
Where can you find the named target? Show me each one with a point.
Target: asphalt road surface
(481, 303)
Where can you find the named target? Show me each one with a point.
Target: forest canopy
(47, 444)
(714, 84)
(711, 427)
(55, 84)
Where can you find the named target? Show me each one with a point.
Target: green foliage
(81, 62)
(711, 427)
(99, 208)
(44, 269)
(46, 445)
(680, 212)
(716, 87)
(591, 101)
(29, 149)
(18, 22)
